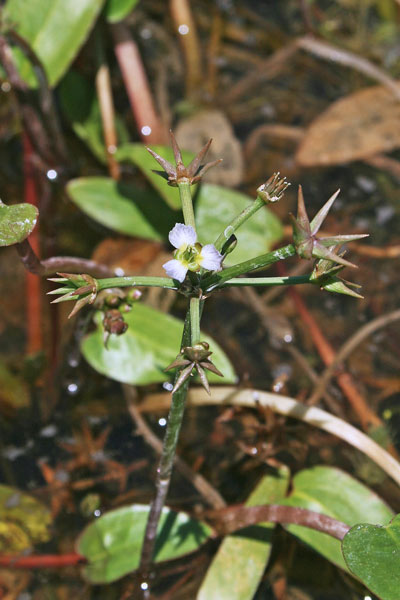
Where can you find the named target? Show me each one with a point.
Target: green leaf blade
(121, 207)
(140, 355)
(240, 562)
(54, 29)
(333, 492)
(116, 10)
(17, 221)
(112, 544)
(372, 553)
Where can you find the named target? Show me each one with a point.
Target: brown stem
(137, 86)
(186, 28)
(231, 519)
(56, 264)
(347, 349)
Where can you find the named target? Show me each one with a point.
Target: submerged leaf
(148, 346)
(353, 128)
(112, 544)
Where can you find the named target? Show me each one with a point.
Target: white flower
(190, 255)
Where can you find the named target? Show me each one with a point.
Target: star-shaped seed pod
(325, 276)
(305, 238)
(88, 292)
(192, 173)
(194, 357)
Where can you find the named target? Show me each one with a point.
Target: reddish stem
(41, 561)
(33, 283)
(364, 413)
(137, 86)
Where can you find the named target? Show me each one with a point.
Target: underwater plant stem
(32, 283)
(137, 86)
(238, 221)
(182, 17)
(259, 262)
(187, 203)
(107, 112)
(194, 321)
(167, 459)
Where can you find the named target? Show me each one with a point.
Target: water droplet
(183, 29)
(146, 33)
(144, 585)
(162, 422)
(5, 86)
(97, 512)
(146, 130)
(111, 149)
(72, 388)
(48, 431)
(288, 338)
(119, 272)
(51, 174)
(168, 386)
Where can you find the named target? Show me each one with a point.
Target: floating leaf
(54, 29)
(240, 562)
(138, 155)
(24, 521)
(116, 10)
(121, 207)
(16, 222)
(140, 355)
(372, 553)
(353, 128)
(334, 493)
(112, 544)
(216, 207)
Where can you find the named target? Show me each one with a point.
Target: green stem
(167, 458)
(259, 262)
(164, 282)
(187, 203)
(238, 221)
(194, 321)
(262, 281)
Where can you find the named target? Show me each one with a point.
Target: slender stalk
(238, 221)
(265, 281)
(259, 262)
(194, 321)
(166, 463)
(164, 282)
(187, 203)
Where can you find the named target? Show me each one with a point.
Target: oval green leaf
(372, 553)
(16, 222)
(217, 206)
(122, 207)
(54, 29)
(140, 355)
(334, 493)
(139, 156)
(24, 521)
(112, 544)
(238, 566)
(116, 10)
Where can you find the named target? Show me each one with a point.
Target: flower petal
(182, 235)
(210, 258)
(175, 269)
